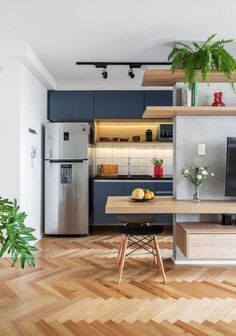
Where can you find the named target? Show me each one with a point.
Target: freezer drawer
(66, 197)
(66, 141)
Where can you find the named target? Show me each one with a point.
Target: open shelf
(165, 77)
(117, 143)
(126, 130)
(159, 112)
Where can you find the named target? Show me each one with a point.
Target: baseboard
(205, 262)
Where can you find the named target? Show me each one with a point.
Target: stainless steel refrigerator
(67, 178)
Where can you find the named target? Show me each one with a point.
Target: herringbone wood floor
(74, 291)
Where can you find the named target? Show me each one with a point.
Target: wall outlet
(201, 149)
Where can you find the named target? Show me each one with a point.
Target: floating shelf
(116, 143)
(165, 77)
(160, 112)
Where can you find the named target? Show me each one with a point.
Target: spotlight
(104, 72)
(131, 73)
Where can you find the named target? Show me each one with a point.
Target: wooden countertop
(165, 204)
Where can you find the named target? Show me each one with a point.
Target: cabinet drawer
(164, 186)
(206, 240)
(211, 246)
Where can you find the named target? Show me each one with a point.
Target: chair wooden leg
(160, 260)
(122, 259)
(153, 250)
(120, 248)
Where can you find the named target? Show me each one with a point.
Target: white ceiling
(63, 31)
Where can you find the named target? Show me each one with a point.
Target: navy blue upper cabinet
(60, 105)
(131, 104)
(158, 98)
(106, 104)
(89, 105)
(83, 105)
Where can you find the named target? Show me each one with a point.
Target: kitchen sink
(132, 177)
(135, 177)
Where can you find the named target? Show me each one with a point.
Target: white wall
(9, 129)
(33, 110)
(23, 105)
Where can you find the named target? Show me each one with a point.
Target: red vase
(158, 171)
(218, 99)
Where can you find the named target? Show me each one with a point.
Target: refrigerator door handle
(66, 161)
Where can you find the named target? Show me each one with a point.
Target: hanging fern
(209, 56)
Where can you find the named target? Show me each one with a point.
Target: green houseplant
(15, 237)
(208, 56)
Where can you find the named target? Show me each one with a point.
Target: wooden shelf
(159, 112)
(165, 77)
(117, 143)
(200, 227)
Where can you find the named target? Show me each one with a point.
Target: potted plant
(158, 167)
(15, 237)
(196, 175)
(207, 56)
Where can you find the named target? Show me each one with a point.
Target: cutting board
(108, 170)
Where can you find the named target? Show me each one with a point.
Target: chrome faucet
(129, 167)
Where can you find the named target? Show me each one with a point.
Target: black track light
(104, 72)
(131, 73)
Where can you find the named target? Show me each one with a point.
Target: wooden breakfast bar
(193, 242)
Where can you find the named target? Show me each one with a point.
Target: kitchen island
(193, 243)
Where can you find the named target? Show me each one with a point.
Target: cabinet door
(130, 186)
(164, 188)
(60, 105)
(106, 104)
(158, 98)
(101, 190)
(83, 105)
(131, 104)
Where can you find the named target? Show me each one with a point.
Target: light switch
(201, 149)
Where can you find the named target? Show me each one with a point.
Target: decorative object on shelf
(136, 138)
(196, 175)
(186, 96)
(158, 167)
(195, 94)
(148, 135)
(218, 99)
(15, 237)
(207, 56)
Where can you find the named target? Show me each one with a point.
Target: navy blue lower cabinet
(164, 187)
(60, 105)
(101, 190)
(130, 186)
(164, 219)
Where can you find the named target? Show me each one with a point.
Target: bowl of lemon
(142, 195)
